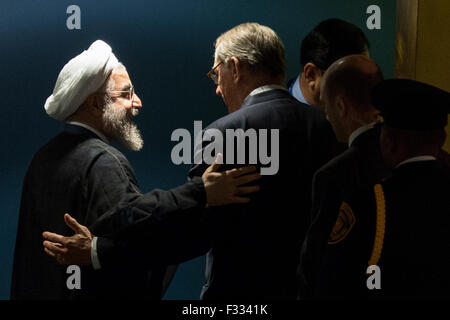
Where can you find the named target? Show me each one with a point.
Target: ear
(95, 103)
(312, 75)
(235, 68)
(342, 106)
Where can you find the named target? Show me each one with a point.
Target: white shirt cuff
(94, 256)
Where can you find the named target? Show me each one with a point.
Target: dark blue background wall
(167, 48)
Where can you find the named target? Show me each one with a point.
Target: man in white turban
(73, 95)
(80, 173)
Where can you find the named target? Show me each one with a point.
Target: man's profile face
(226, 88)
(122, 82)
(313, 78)
(119, 111)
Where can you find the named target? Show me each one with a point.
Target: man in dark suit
(79, 172)
(345, 95)
(400, 234)
(254, 252)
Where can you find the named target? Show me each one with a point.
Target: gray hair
(257, 45)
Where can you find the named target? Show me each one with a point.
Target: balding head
(345, 93)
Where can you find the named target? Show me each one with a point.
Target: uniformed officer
(345, 96)
(398, 229)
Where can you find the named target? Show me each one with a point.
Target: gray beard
(119, 126)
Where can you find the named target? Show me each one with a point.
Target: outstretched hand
(221, 188)
(227, 187)
(70, 250)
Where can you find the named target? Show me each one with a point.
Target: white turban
(80, 77)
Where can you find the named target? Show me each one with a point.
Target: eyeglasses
(212, 74)
(130, 93)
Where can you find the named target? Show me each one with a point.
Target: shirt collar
(99, 134)
(296, 92)
(416, 159)
(265, 88)
(358, 132)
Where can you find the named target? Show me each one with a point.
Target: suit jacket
(361, 165)
(76, 172)
(414, 258)
(255, 246)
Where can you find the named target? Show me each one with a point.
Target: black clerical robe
(77, 172)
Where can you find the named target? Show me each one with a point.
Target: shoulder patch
(344, 223)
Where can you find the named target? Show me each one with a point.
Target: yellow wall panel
(433, 46)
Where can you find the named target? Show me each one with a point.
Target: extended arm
(160, 227)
